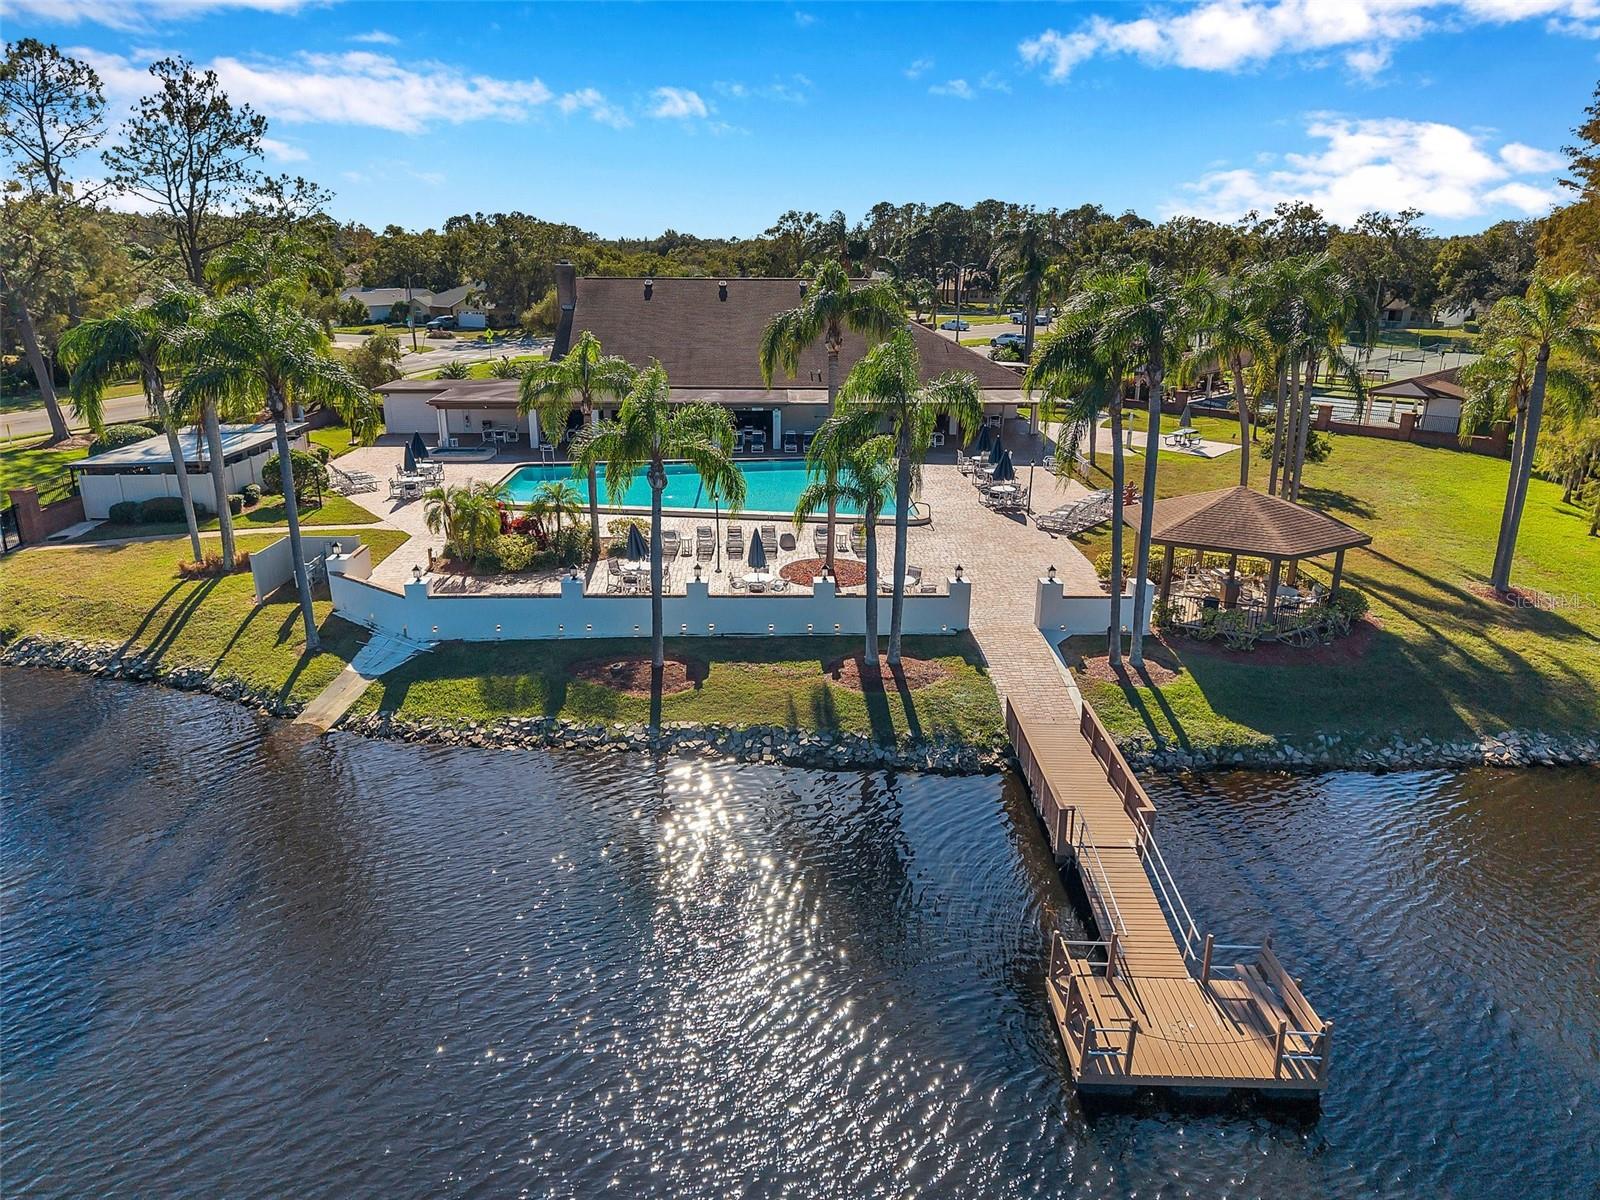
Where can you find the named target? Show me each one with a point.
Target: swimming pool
(771, 486)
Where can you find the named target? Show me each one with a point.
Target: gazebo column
(1272, 586)
(1166, 573)
(1338, 574)
(1230, 589)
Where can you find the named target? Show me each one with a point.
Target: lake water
(238, 961)
(771, 486)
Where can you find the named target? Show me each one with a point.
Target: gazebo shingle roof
(1239, 520)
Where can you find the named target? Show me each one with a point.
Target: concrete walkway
(378, 657)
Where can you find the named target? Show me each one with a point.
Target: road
(25, 422)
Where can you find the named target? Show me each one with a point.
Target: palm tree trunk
(1114, 631)
(219, 483)
(869, 649)
(41, 371)
(1246, 430)
(587, 410)
(1278, 423)
(902, 524)
(658, 643)
(291, 514)
(1094, 429)
(1147, 513)
(833, 476)
(1031, 312)
(1502, 566)
(1303, 431)
(156, 396)
(1523, 470)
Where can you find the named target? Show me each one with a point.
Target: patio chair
(819, 539)
(758, 444)
(844, 542)
(928, 588)
(780, 584)
(769, 536)
(705, 542)
(669, 543)
(735, 542)
(786, 541)
(757, 586)
(737, 583)
(858, 540)
(937, 440)
(806, 439)
(791, 442)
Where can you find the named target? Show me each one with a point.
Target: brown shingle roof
(706, 342)
(1238, 520)
(1435, 383)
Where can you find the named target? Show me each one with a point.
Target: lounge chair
(705, 542)
(669, 543)
(819, 539)
(735, 542)
(858, 540)
(791, 442)
(769, 536)
(806, 439)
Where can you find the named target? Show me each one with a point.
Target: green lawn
(334, 510)
(1443, 662)
(335, 438)
(132, 594)
(746, 681)
(27, 463)
(483, 370)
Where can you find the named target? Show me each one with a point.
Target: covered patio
(1266, 534)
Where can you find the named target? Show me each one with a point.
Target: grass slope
(334, 510)
(747, 681)
(26, 462)
(1444, 662)
(132, 594)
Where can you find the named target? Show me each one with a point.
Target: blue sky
(714, 119)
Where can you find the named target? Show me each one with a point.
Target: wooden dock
(1152, 1002)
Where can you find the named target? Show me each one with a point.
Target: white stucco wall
(408, 413)
(1060, 615)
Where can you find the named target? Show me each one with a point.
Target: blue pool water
(770, 487)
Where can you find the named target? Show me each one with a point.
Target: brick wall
(35, 521)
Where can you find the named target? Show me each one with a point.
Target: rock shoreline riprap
(818, 749)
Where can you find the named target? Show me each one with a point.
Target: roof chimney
(567, 302)
(649, 288)
(722, 290)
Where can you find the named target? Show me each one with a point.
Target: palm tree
(863, 477)
(648, 431)
(887, 384)
(1022, 255)
(252, 348)
(1555, 315)
(1081, 375)
(582, 375)
(1147, 314)
(1328, 303)
(468, 517)
(554, 498)
(829, 305)
(1231, 332)
(143, 339)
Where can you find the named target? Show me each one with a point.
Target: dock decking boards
(1153, 1003)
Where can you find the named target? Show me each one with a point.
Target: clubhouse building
(707, 334)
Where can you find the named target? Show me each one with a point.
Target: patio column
(1338, 574)
(1166, 573)
(777, 429)
(444, 426)
(1272, 586)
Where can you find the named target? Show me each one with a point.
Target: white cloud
(593, 102)
(1529, 160)
(376, 37)
(919, 68)
(960, 89)
(992, 82)
(1231, 35)
(282, 151)
(134, 14)
(353, 87)
(677, 104)
(804, 19)
(1387, 165)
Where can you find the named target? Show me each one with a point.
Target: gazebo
(1239, 522)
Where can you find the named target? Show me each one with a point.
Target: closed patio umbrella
(758, 554)
(408, 461)
(985, 440)
(1004, 471)
(418, 450)
(637, 550)
(996, 451)
(1184, 422)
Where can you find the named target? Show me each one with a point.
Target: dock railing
(1118, 773)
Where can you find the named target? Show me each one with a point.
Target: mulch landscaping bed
(851, 572)
(911, 673)
(1161, 664)
(634, 676)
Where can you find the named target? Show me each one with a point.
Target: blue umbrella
(1004, 472)
(758, 554)
(985, 439)
(418, 450)
(637, 550)
(996, 451)
(409, 461)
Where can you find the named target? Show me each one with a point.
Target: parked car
(1009, 339)
(1042, 318)
(1019, 318)
(442, 323)
(958, 326)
